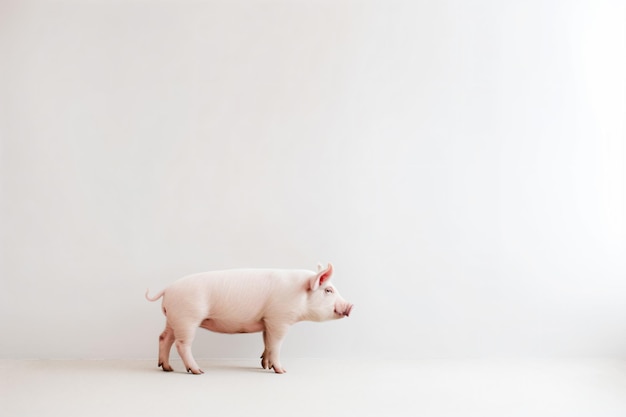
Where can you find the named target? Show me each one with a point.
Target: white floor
(316, 387)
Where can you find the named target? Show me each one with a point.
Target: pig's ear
(319, 267)
(321, 277)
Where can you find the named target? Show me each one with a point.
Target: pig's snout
(344, 310)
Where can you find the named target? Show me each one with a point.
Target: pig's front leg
(273, 338)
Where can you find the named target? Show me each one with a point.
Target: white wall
(460, 162)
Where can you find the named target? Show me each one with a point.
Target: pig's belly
(222, 326)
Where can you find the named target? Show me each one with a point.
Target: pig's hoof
(195, 371)
(279, 370)
(166, 368)
(266, 363)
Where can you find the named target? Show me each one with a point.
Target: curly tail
(156, 297)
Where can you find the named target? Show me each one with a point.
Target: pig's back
(241, 297)
(243, 281)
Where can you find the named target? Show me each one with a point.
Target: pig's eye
(328, 290)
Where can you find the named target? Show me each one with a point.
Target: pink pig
(245, 301)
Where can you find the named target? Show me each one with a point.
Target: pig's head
(324, 301)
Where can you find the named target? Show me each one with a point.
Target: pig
(245, 301)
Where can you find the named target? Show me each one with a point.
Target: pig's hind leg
(166, 340)
(183, 319)
(184, 336)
